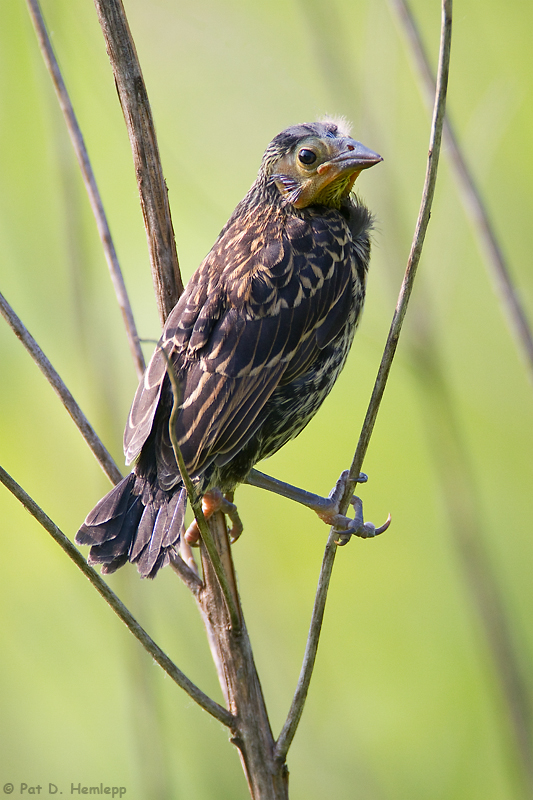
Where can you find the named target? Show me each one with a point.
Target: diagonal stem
(472, 198)
(295, 712)
(118, 607)
(87, 431)
(95, 200)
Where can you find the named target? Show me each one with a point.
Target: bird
(256, 342)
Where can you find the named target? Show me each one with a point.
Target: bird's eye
(307, 156)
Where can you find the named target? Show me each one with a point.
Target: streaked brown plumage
(257, 340)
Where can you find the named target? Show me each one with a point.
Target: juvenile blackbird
(257, 340)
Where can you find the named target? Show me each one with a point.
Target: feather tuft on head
(343, 125)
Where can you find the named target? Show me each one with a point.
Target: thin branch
(90, 184)
(118, 607)
(414, 256)
(300, 695)
(472, 199)
(152, 188)
(196, 503)
(291, 724)
(87, 431)
(190, 578)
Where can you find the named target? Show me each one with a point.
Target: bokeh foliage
(405, 701)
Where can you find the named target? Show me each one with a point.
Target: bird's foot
(214, 501)
(329, 512)
(327, 508)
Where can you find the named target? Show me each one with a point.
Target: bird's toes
(338, 490)
(230, 510)
(212, 502)
(346, 526)
(357, 527)
(192, 534)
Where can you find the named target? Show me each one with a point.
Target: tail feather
(105, 521)
(144, 533)
(175, 516)
(133, 522)
(151, 531)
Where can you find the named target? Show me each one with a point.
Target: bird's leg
(214, 501)
(327, 508)
(186, 554)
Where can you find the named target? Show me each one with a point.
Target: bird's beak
(348, 157)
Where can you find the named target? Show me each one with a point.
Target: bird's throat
(335, 192)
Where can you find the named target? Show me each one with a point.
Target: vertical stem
(228, 585)
(232, 653)
(230, 645)
(293, 718)
(422, 223)
(139, 122)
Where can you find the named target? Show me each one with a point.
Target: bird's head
(315, 163)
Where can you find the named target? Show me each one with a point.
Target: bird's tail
(134, 522)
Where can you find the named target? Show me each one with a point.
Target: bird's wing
(243, 326)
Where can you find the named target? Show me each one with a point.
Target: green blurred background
(406, 701)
